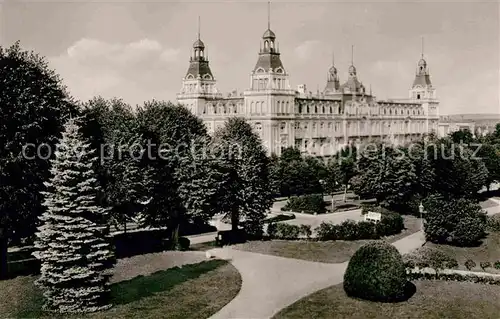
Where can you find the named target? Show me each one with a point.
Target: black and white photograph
(257, 159)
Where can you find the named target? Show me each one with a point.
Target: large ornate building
(319, 123)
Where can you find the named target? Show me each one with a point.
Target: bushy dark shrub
(493, 223)
(287, 231)
(272, 228)
(496, 265)
(366, 230)
(432, 257)
(391, 223)
(326, 231)
(309, 204)
(305, 230)
(376, 272)
(458, 222)
(451, 264)
(348, 230)
(183, 243)
(484, 265)
(469, 264)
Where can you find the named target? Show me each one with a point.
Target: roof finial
(333, 58)
(269, 15)
(422, 47)
(352, 54)
(199, 27)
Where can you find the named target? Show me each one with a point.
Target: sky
(139, 50)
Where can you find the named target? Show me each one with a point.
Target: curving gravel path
(271, 283)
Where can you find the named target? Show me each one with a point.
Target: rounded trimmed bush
(376, 272)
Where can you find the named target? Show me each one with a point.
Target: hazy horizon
(140, 50)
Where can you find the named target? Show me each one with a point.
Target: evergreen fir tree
(73, 241)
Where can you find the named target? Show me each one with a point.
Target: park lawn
(432, 300)
(489, 250)
(338, 251)
(192, 291)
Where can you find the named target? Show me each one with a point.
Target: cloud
(133, 70)
(307, 49)
(170, 55)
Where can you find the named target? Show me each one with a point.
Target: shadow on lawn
(145, 286)
(409, 290)
(125, 292)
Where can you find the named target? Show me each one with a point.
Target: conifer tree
(73, 241)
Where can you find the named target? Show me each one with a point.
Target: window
(418, 96)
(283, 126)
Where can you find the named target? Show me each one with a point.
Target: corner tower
(424, 93)
(269, 102)
(199, 83)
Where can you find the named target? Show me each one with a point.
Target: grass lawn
(193, 291)
(489, 250)
(327, 251)
(432, 300)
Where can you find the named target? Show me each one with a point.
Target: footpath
(271, 283)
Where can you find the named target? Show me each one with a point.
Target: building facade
(318, 123)
(478, 124)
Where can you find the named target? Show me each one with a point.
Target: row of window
(396, 126)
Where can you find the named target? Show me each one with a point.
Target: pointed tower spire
(352, 54)
(422, 47)
(269, 15)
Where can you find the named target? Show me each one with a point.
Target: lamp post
(422, 212)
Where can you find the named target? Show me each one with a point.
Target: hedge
(309, 204)
(489, 280)
(287, 231)
(390, 224)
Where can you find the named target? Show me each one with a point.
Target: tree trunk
(345, 192)
(333, 202)
(3, 253)
(175, 236)
(125, 227)
(235, 218)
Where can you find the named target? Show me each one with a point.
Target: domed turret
(352, 70)
(332, 80)
(269, 34)
(198, 44)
